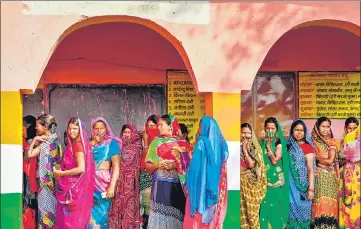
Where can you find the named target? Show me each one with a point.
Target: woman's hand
(58, 172)
(310, 194)
(145, 136)
(170, 165)
(42, 138)
(110, 192)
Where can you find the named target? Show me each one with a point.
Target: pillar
(11, 160)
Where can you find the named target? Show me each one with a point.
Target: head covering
(204, 173)
(321, 144)
(132, 142)
(153, 132)
(297, 161)
(176, 130)
(109, 135)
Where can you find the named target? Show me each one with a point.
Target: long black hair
(30, 122)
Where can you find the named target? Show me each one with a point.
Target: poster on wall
(183, 102)
(335, 95)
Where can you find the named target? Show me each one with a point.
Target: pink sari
(75, 193)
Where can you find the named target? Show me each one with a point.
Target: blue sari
(300, 207)
(101, 206)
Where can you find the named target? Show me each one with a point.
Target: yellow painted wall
(11, 117)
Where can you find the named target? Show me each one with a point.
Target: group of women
(309, 181)
(155, 181)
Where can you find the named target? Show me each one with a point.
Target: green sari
(275, 206)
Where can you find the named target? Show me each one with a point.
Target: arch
(344, 25)
(128, 19)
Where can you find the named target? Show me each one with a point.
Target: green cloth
(275, 207)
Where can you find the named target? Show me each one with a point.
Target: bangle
(310, 190)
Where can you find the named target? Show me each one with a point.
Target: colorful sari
(300, 207)
(124, 211)
(75, 193)
(275, 206)
(30, 189)
(350, 181)
(325, 203)
(50, 157)
(253, 187)
(145, 179)
(207, 179)
(103, 152)
(167, 197)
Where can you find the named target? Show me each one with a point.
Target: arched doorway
(325, 45)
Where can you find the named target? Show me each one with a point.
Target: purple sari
(75, 193)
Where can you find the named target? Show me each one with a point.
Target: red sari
(30, 189)
(124, 211)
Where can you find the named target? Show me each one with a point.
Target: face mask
(270, 134)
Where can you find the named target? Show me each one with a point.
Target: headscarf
(176, 130)
(298, 165)
(153, 132)
(256, 154)
(132, 143)
(109, 135)
(204, 173)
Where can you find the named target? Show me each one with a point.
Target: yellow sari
(349, 215)
(253, 188)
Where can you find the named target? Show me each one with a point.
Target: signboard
(183, 102)
(335, 95)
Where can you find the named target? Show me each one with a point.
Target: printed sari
(253, 187)
(124, 211)
(167, 197)
(30, 189)
(350, 181)
(75, 193)
(300, 207)
(206, 181)
(325, 203)
(50, 157)
(103, 152)
(275, 206)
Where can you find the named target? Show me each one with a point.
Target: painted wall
(236, 35)
(315, 48)
(121, 53)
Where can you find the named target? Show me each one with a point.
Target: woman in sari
(106, 150)
(75, 183)
(207, 178)
(253, 178)
(325, 205)
(275, 207)
(124, 211)
(302, 166)
(150, 132)
(168, 156)
(47, 146)
(30, 186)
(350, 176)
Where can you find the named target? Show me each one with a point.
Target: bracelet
(310, 190)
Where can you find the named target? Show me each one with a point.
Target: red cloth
(29, 168)
(306, 148)
(78, 147)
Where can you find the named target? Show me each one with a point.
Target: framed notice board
(183, 102)
(335, 95)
